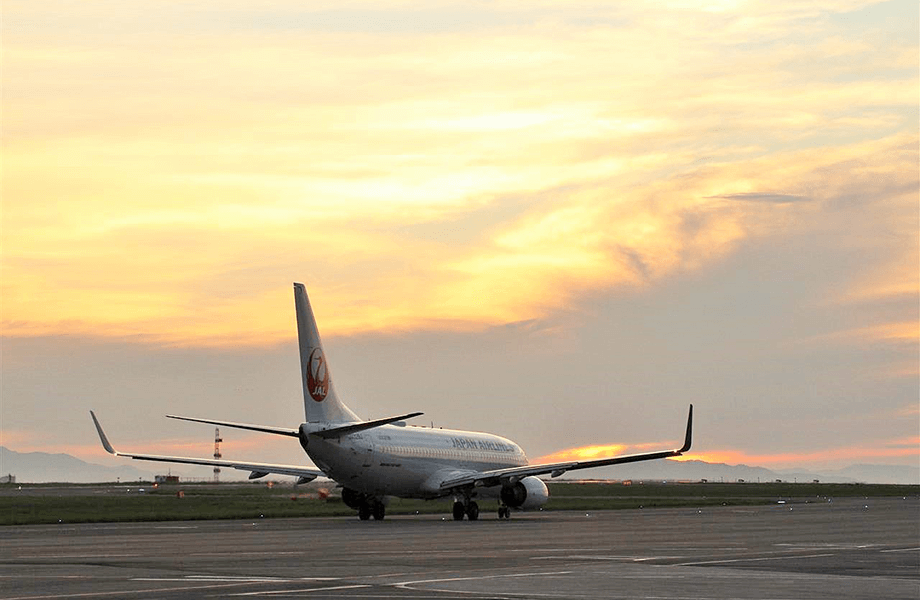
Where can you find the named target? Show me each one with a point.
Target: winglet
(687, 438)
(105, 440)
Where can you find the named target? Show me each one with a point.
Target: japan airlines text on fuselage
(376, 459)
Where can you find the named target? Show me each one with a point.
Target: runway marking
(552, 549)
(600, 557)
(46, 577)
(303, 590)
(406, 584)
(241, 579)
(582, 557)
(254, 553)
(68, 556)
(655, 558)
(128, 592)
(732, 560)
(902, 550)
(840, 546)
(214, 579)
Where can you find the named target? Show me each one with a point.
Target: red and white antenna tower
(217, 442)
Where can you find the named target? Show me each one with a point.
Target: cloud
(879, 450)
(583, 453)
(576, 149)
(911, 410)
(882, 451)
(764, 197)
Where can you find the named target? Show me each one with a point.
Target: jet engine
(527, 493)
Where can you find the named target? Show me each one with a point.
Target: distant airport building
(8, 478)
(166, 479)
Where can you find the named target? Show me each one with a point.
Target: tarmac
(847, 548)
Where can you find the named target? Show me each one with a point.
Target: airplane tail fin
(320, 401)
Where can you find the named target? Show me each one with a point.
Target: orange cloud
(584, 453)
(898, 448)
(600, 451)
(894, 449)
(487, 180)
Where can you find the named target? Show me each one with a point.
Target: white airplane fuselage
(406, 461)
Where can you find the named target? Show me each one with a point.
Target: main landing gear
(504, 512)
(367, 505)
(372, 508)
(470, 509)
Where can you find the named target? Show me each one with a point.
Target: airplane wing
(514, 474)
(256, 469)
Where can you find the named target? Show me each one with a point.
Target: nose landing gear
(504, 512)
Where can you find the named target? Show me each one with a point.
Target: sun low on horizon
(523, 175)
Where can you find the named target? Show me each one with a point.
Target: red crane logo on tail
(317, 376)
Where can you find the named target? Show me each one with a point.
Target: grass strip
(113, 503)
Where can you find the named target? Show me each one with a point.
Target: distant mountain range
(695, 470)
(41, 467)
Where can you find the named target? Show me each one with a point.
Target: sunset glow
(592, 212)
(585, 453)
(844, 455)
(894, 449)
(151, 204)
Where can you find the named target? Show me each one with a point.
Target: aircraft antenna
(217, 454)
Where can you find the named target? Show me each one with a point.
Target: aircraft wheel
(504, 512)
(472, 511)
(364, 512)
(459, 511)
(379, 510)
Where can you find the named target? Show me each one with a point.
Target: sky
(562, 222)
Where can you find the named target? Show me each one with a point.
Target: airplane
(375, 460)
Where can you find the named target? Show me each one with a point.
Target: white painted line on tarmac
(903, 550)
(656, 558)
(303, 590)
(71, 556)
(215, 579)
(832, 546)
(124, 593)
(235, 578)
(276, 553)
(584, 557)
(552, 549)
(734, 560)
(406, 584)
(608, 558)
(30, 576)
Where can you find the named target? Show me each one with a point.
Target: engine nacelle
(528, 493)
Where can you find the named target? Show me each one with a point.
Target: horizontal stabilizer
(261, 428)
(356, 427)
